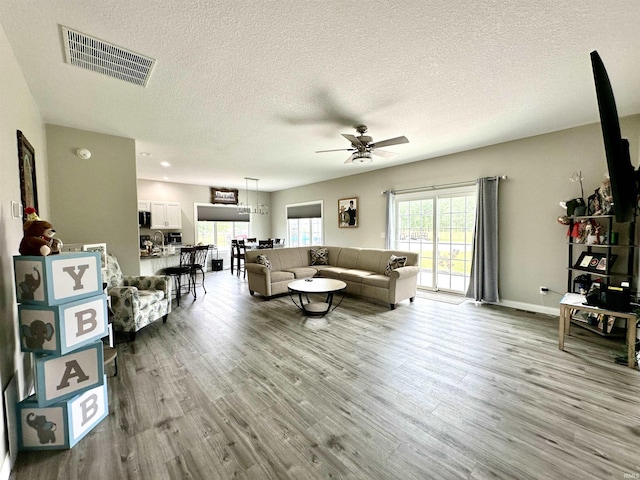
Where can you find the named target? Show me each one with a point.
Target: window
(218, 225)
(304, 224)
(221, 233)
(439, 226)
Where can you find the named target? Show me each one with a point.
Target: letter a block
(59, 378)
(60, 329)
(57, 279)
(62, 425)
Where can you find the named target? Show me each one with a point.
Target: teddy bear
(38, 236)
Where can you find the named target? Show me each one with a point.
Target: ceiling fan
(363, 146)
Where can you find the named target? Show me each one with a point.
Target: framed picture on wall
(27, 169)
(348, 212)
(228, 196)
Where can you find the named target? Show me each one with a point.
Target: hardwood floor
(233, 386)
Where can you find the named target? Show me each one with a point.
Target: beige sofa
(362, 269)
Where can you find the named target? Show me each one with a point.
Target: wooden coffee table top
(316, 285)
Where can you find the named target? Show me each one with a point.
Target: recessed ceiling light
(146, 154)
(165, 164)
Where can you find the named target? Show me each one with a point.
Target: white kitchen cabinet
(144, 206)
(167, 215)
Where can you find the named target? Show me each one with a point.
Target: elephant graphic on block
(46, 429)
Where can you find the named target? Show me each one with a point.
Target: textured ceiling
(253, 88)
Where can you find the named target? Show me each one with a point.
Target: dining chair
(265, 244)
(182, 272)
(251, 240)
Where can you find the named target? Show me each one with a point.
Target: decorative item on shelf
(247, 208)
(38, 236)
(594, 262)
(576, 206)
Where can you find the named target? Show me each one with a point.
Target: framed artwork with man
(348, 212)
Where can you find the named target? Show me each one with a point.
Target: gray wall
(94, 201)
(18, 111)
(533, 246)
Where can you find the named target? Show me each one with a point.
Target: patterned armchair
(136, 301)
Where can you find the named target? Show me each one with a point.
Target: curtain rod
(468, 183)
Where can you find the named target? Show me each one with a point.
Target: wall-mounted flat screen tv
(621, 172)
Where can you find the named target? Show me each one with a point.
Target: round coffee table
(322, 286)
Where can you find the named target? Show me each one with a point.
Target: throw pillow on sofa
(395, 262)
(264, 260)
(319, 256)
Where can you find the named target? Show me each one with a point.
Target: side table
(574, 301)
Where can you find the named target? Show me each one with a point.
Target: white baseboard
(6, 468)
(531, 307)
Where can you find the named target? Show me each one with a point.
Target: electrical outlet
(543, 290)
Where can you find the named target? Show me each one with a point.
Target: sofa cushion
(319, 256)
(264, 260)
(348, 257)
(302, 272)
(395, 262)
(331, 272)
(373, 260)
(377, 280)
(353, 275)
(149, 297)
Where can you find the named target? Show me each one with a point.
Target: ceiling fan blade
(336, 150)
(353, 139)
(384, 153)
(350, 159)
(390, 141)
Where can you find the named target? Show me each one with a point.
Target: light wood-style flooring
(233, 386)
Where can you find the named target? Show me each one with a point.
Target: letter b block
(60, 329)
(61, 425)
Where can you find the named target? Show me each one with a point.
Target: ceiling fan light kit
(363, 146)
(360, 157)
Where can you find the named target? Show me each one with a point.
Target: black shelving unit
(618, 259)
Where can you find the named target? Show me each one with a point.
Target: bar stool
(187, 256)
(241, 250)
(199, 262)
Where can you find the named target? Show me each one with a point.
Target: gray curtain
(391, 219)
(483, 285)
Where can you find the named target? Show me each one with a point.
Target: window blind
(217, 213)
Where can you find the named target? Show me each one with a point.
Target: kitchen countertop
(159, 255)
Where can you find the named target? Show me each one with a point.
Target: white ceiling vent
(102, 57)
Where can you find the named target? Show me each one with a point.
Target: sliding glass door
(438, 226)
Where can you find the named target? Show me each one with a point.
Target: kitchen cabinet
(165, 215)
(144, 206)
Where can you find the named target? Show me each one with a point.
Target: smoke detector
(83, 153)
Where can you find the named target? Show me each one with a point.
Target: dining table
(249, 246)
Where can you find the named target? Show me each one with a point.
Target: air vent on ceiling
(102, 57)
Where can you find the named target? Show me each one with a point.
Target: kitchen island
(155, 264)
